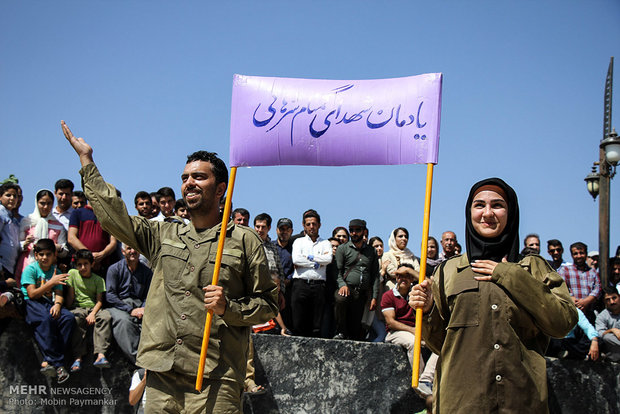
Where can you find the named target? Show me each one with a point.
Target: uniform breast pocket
(173, 259)
(464, 304)
(231, 259)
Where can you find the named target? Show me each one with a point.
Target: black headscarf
(507, 243)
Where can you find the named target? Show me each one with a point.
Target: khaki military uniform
(491, 335)
(183, 262)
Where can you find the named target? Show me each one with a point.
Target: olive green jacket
(491, 335)
(183, 263)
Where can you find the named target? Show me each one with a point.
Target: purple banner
(284, 121)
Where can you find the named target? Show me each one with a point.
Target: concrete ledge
(302, 375)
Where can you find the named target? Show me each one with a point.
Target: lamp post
(598, 182)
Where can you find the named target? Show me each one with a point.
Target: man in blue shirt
(9, 230)
(127, 284)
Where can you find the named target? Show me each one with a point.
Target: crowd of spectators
(64, 273)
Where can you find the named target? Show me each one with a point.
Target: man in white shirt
(166, 203)
(311, 255)
(63, 190)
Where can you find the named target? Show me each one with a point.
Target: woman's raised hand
(421, 296)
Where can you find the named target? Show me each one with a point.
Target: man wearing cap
(358, 279)
(592, 259)
(311, 255)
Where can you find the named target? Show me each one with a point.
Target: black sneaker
(339, 336)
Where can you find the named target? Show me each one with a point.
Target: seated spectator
(85, 233)
(128, 283)
(41, 224)
(9, 230)
(580, 342)
(608, 324)
(52, 324)
(85, 298)
(399, 316)
(399, 254)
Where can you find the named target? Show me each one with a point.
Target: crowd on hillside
(64, 274)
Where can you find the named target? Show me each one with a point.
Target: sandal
(48, 370)
(77, 365)
(102, 363)
(62, 373)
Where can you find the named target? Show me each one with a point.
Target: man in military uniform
(183, 257)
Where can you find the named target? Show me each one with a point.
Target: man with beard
(183, 257)
(358, 279)
(143, 204)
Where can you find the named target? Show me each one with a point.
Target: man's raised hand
(80, 146)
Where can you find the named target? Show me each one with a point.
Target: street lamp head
(611, 146)
(592, 182)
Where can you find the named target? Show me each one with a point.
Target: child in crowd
(180, 209)
(52, 324)
(85, 296)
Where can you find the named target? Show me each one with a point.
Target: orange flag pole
(216, 275)
(418, 312)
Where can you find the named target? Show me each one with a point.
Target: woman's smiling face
(489, 214)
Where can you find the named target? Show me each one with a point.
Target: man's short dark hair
(610, 290)
(531, 235)
(166, 192)
(63, 183)
(554, 242)
(579, 245)
(333, 239)
(8, 186)
(84, 254)
(80, 194)
(155, 195)
(241, 211)
(217, 165)
(263, 217)
(45, 244)
(141, 195)
(309, 214)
